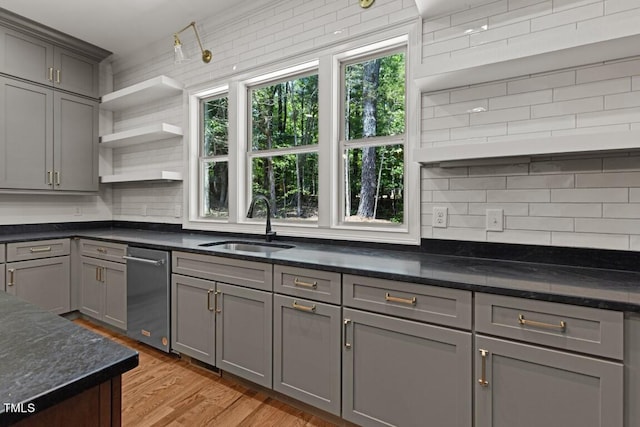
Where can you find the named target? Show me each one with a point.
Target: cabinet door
(404, 373)
(530, 386)
(244, 333)
(44, 282)
(91, 289)
(193, 318)
(26, 57)
(2, 274)
(26, 135)
(75, 73)
(75, 143)
(306, 351)
(114, 281)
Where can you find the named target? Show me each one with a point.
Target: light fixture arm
(206, 54)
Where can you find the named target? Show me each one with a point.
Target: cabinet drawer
(257, 275)
(103, 250)
(37, 249)
(1, 253)
(450, 307)
(564, 326)
(305, 283)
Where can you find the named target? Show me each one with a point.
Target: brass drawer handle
(346, 324)
(209, 292)
(50, 177)
(50, 74)
(298, 282)
(561, 327)
(215, 301)
(101, 250)
(97, 274)
(12, 276)
(483, 380)
(301, 307)
(410, 301)
(40, 249)
(58, 76)
(57, 175)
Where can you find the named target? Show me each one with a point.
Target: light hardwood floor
(165, 390)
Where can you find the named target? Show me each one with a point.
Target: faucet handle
(271, 235)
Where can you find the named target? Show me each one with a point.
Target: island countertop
(45, 359)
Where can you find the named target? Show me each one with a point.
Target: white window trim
(327, 61)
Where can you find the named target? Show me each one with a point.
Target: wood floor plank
(165, 390)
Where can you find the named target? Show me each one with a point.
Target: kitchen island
(54, 372)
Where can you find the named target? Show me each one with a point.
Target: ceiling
(120, 26)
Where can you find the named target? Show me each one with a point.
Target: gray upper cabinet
(193, 317)
(44, 282)
(306, 351)
(33, 59)
(244, 333)
(521, 385)
(398, 372)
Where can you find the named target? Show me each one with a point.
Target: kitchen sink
(248, 246)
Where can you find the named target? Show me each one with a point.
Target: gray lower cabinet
(103, 291)
(306, 351)
(244, 333)
(521, 385)
(403, 373)
(2, 273)
(193, 317)
(44, 282)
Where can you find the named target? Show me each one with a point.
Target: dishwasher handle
(144, 260)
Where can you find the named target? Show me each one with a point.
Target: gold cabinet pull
(561, 327)
(483, 379)
(58, 76)
(299, 282)
(40, 249)
(209, 292)
(12, 276)
(410, 301)
(57, 175)
(301, 307)
(101, 250)
(49, 178)
(97, 274)
(345, 325)
(215, 301)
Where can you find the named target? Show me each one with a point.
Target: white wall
(590, 200)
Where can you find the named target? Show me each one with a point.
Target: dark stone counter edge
(71, 389)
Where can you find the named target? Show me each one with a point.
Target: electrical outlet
(177, 211)
(495, 220)
(440, 217)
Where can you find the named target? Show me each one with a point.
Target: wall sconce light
(180, 56)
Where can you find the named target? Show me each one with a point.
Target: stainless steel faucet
(269, 235)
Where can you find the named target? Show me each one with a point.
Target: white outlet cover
(495, 220)
(440, 217)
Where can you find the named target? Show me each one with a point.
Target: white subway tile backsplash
(608, 117)
(520, 137)
(433, 25)
(436, 172)
(541, 181)
(620, 179)
(590, 195)
(452, 233)
(513, 209)
(542, 82)
(510, 196)
(459, 30)
(560, 5)
(590, 240)
(445, 46)
(435, 184)
(615, 6)
(485, 183)
(435, 136)
(436, 99)
(459, 196)
(622, 100)
(629, 163)
(635, 83)
(608, 225)
(455, 208)
(476, 13)
(536, 125)
(500, 33)
(467, 221)
(567, 107)
(517, 4)
(634, 195)
(453, 122)
(586, 90)
(576, 210)
(500, 116)
(460, 108)
(517, 14)
(539, 223)
(479, 92)
(608, 71)
(479, 131)
(567, 16)
(621, 210)
(520, 236)
(521, 99)
(635, 243)
(592, 130)
(499, 170)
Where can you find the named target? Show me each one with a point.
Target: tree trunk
(369, 106)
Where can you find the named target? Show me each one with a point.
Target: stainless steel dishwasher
(148, 296)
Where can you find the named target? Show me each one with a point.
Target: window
(214, 158)
(372, 142)
(282, 155)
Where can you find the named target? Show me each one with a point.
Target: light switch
(495, 220)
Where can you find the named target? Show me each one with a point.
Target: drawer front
(1, 253)
(443, 306)
(564, 326)
(37, 249)
(305, 283)
(103, 250)
(257, 275)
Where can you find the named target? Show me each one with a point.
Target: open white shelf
(142, 93)
(520, 59)
(529, 147)
(142, 176)
(150, 133)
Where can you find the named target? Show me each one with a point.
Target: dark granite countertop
(594, 287)
(45, 359)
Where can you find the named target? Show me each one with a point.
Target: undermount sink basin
(246, 246)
